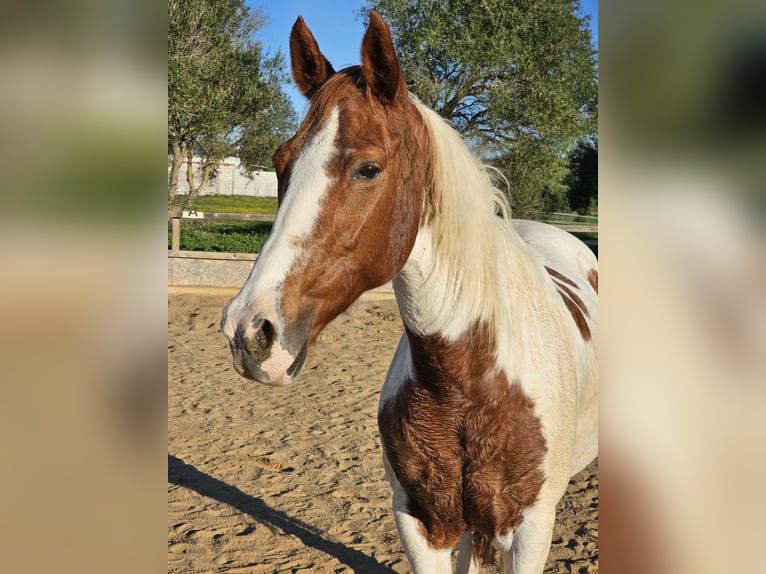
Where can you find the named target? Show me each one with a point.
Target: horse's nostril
(262, 338)
(266, 333)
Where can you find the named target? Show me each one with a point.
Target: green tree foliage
(517, 78)
(224, 93)
(582, 181)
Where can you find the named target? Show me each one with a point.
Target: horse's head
(352, 185)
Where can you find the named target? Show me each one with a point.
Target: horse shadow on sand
(186, 475)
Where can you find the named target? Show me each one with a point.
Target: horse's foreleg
(422, 557)
(466, 561)
(531, 542)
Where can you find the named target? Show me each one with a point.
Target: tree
(224, 94)
(582, 181)
(517, 78)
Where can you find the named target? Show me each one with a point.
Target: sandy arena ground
(267, 480)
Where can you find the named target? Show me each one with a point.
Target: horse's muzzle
(259, 355)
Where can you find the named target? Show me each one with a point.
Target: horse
(489, 405)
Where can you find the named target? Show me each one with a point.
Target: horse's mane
(472, 238)
(459, 172)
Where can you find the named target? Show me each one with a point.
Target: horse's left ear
(380, 66)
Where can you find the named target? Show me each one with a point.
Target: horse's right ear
(310, 68)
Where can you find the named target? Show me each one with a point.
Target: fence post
(175, 241)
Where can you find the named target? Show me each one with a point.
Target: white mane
(474, 256)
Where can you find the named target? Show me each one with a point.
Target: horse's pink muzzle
(261, 354)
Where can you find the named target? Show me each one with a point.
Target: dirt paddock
(267, 480)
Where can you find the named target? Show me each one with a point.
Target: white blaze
(295, 221)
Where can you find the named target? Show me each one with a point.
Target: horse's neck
(500, 304)
(437, 292)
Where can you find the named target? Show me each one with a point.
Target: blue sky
(338, 29)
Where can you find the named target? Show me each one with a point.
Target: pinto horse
(489, 405)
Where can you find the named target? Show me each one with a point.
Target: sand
(266, 480)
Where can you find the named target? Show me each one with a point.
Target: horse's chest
(467, 457)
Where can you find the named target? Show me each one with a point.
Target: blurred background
(682, 131)
(83, 288)
(683, 291)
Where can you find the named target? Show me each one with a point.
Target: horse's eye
(367, 171)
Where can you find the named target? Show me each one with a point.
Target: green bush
(227, 237)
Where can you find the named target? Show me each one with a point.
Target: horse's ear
(310, 68)
(380, 66)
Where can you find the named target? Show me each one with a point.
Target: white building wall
(231, 180)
